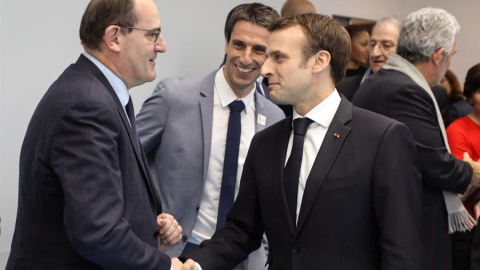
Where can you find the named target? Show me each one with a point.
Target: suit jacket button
(296, 250)
(184, 238)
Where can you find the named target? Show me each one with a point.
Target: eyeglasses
(385, 46)
(151, 34)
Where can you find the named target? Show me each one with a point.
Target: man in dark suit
(349, 197)
(86, 199)
(402, 90)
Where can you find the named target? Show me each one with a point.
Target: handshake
(169, 234)
(188, 265)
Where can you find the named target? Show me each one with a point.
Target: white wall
(38, 39)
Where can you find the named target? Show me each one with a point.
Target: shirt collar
(324, 112)
(117, 84)
(226, 93)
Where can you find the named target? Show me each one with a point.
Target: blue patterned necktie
(230, 163)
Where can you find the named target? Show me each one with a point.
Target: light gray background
(39, 39)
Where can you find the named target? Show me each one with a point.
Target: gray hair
(394, 20)
(424, 32)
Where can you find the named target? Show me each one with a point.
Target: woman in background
(360, 38)
(464, 136)
(458, 105)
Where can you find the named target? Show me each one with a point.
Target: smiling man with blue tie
(196, 131)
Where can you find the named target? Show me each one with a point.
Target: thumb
(466, 156)
(161, 221)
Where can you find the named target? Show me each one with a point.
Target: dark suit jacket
(349, 85)
(85, 197)
(361, 208)
(395, 95)
(440, 94)
(475, 252)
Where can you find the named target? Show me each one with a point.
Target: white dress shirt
(322, 115)
(206, 222)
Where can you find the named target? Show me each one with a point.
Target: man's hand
(476, 169)
(176, 264)
(189, 265)
(170, 232)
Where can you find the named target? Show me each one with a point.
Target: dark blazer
(85, 197)
(361, 208)
(349, 85)
(441, 96)
(459, 108)
(395, 95)
(475, 252)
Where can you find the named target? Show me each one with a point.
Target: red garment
(464, 136)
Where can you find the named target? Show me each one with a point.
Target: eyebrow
(260, 47)
(276, 53)
(382, 40)
(255, 46)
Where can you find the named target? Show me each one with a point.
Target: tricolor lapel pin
(336, 135)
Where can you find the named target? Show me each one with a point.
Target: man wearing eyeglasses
(86, 198)
(196, 131)
(383, 42)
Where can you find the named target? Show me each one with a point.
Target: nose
(376, 50)
(160, 44)
(246, 57)
(266, 70)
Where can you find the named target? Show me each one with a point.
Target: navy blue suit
(86, 200)
(361, 208)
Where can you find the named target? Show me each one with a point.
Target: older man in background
(401, 90)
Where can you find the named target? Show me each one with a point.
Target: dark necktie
(230, 163)
(291, 173)
(131, 116)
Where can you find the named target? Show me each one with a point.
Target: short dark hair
(472, 81)
(100, 14)
(355, 29)
(256, 13)
(322, 33)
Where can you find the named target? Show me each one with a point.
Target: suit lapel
(83, 62)
(259, 110)
(326, 156)
(206, 113)
(279, 153)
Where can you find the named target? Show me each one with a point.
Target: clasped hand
(169, 231)
(188, 265)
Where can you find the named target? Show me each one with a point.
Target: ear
(322, 61)
(226, 46)
(113, 38)
(437, 56)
